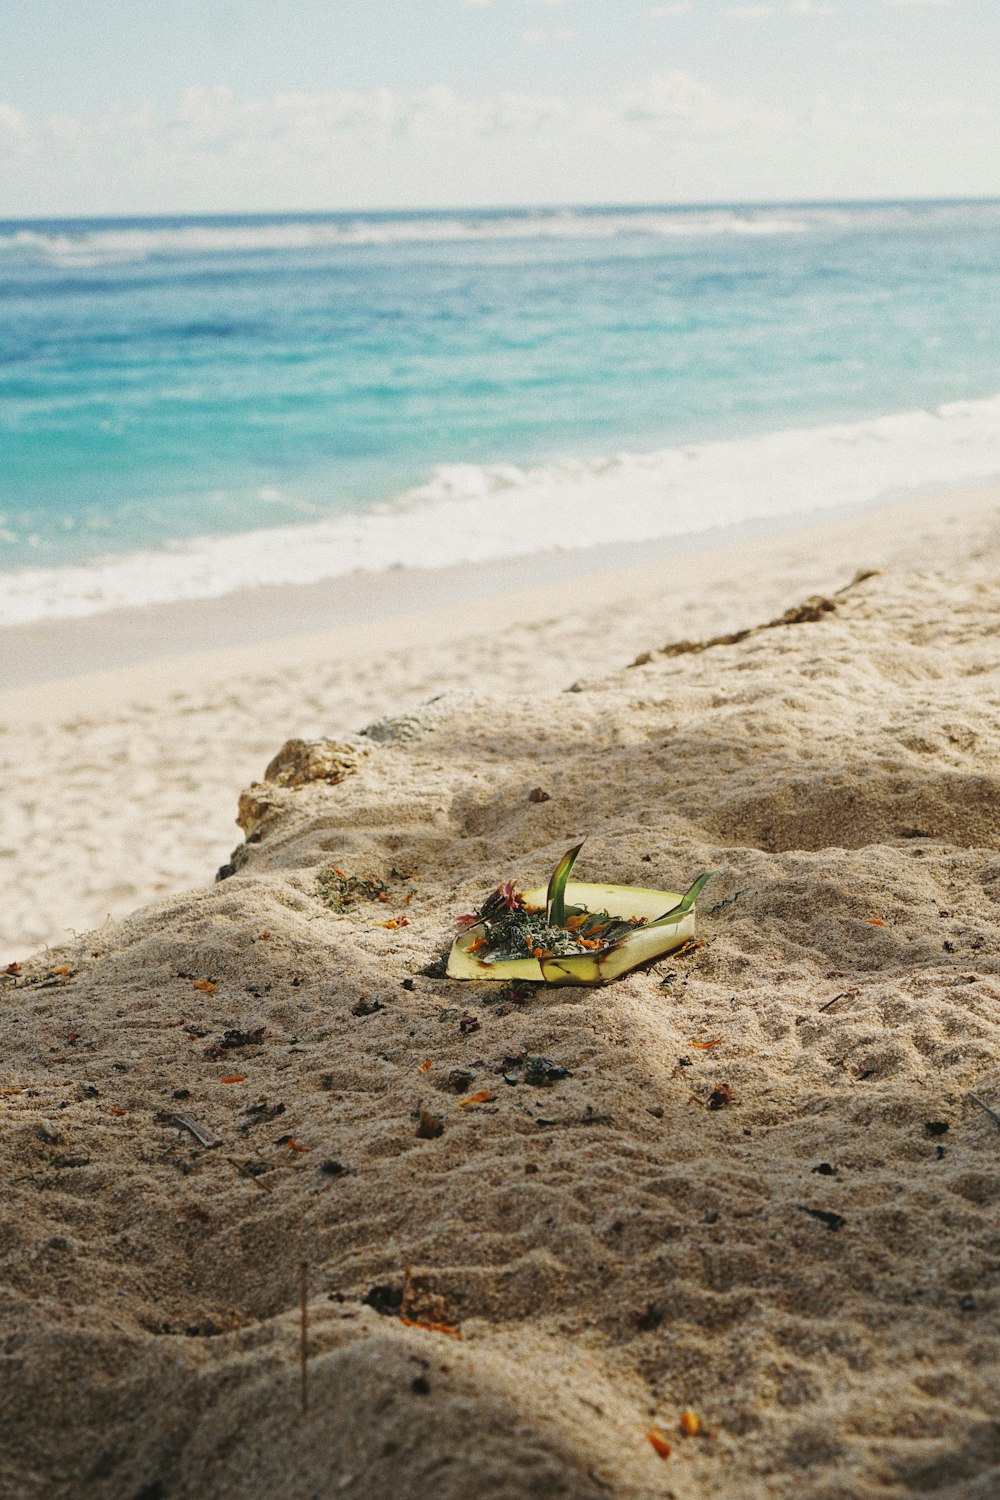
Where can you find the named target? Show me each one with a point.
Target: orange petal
(432, 1327)
(659, 1442)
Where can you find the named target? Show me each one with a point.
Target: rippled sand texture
(811, 1266)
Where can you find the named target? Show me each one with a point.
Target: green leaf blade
(555, 897)
(679, 912)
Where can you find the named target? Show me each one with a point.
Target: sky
(254, 106)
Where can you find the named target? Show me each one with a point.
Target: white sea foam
(121, 243)
(469, 513)
(125, 243)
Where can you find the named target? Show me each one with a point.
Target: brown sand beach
(288, 1213)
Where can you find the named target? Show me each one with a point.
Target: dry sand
(119, 786)
(812, 1268)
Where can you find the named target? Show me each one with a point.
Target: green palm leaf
(555, 898)
(679, 912)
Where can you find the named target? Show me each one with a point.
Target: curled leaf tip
(555, 898)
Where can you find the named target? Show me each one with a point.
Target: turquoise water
(163, 381)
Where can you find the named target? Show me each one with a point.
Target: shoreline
(131, 655)
(121, 785)
(478, 526)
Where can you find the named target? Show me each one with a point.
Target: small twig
(689, 946)
(304, 1333)
(842, 996)
(859, 577)
(985, 1107)
(407, 1298)
(201, 1133)
(247, 1173)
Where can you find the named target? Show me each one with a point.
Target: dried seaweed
(526, 933)
(341, 891)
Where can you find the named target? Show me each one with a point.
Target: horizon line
(430, 210)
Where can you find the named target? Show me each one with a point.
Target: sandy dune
(762, 1194)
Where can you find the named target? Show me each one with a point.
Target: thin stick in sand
(844, 994)
(201, 1133)
(240, 1167)
(985, 1107)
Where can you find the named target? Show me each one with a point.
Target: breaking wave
(472, 514)
(94, 245)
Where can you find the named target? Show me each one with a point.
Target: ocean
(193, 405)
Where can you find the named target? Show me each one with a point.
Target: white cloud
(811, 8)
(909, 4)
(13, 123)
(678, 8)
(213, 122)
(670, 136)
(751, 12)
(539, 38)
(874, 45)
(671, 98)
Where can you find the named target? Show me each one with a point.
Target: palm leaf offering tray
(571, 932)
